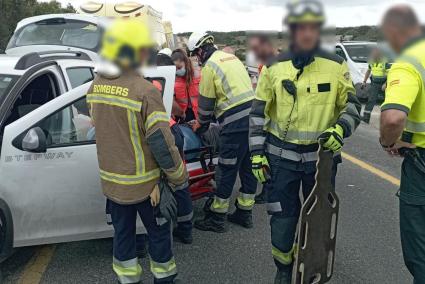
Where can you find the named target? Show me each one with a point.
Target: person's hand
(195, 125)
(363, 85)
(261, 168)
(394, 150)
(384, 87)
(333, 138)
(155, 196)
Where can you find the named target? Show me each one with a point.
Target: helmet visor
(302, 8)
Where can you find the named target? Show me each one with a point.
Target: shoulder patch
(281, 57)
(329, 56)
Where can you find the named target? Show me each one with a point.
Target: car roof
(18, 65)
(100, 21)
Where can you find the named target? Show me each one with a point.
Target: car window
(79, 76)
(6, 83)
(340, 52)
(359, 52)
(70, 125)
(58, 31)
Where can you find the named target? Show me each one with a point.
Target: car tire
(6, 231)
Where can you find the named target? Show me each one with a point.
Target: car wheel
(6, 231)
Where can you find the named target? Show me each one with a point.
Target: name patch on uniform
(111, 90)
(325, 87)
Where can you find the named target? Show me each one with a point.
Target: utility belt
(416, 155)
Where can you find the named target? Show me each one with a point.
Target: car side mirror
(34, 141)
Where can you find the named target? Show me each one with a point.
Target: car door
(56, 196)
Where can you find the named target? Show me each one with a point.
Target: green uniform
(406, 92)
(379, 72)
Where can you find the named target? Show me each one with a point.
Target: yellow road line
(372, 169)
(36, 267)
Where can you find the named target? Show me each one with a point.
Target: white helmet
(166, 51)
(196, 40)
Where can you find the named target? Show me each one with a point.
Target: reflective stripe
(246, 201)
(185, 218)
(256, 121)
(236, 116)
(229, 162)
(108, 219)
(161, 221)
(257, 140)
(274, 207)
(177, 173)
(163, 270)
(135, 141)
(155, 117)
(350, 120)
(416, 127)
(115, 101)
(129, 179)
(418, 65)
(291, 155)
(233, 100)
(282, 257)
(220, 205)
(205, 112)
(220, 74)
(295, 134)
(128, 271)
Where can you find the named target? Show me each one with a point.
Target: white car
(58, 32)
(50, 189)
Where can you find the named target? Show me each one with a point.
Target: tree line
(12, 11)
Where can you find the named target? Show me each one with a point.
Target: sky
(235, 15)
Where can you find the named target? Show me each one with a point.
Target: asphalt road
(368, 245)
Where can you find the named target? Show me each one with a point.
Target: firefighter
(225, 93)
(303, 95)
(403, 115)
(135, 148)
(377, 71)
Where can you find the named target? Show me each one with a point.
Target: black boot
(261, 198)
(283, 277)
(214, 222)
(242, 218)
(183, 237)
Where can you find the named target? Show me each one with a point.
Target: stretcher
(201, 159)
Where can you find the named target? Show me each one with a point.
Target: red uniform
(185, 96)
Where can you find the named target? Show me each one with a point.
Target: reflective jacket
(185, 96)
(406, 89)
(133, 138)
(225, 85)
(324, 97)
(379, 71)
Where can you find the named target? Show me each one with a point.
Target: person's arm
(366, 76)
(347, 104)
(259, 116)
(161, 141)
(176, 110)
(207, 99)
(402, 90)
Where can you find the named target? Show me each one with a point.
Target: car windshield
(6, 83)
(360, 52)
(58, 31)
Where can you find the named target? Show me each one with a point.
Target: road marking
(35, 268)
(372, 169)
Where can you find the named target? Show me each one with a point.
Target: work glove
(333, 138)
(167, 207)
(261, 168)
